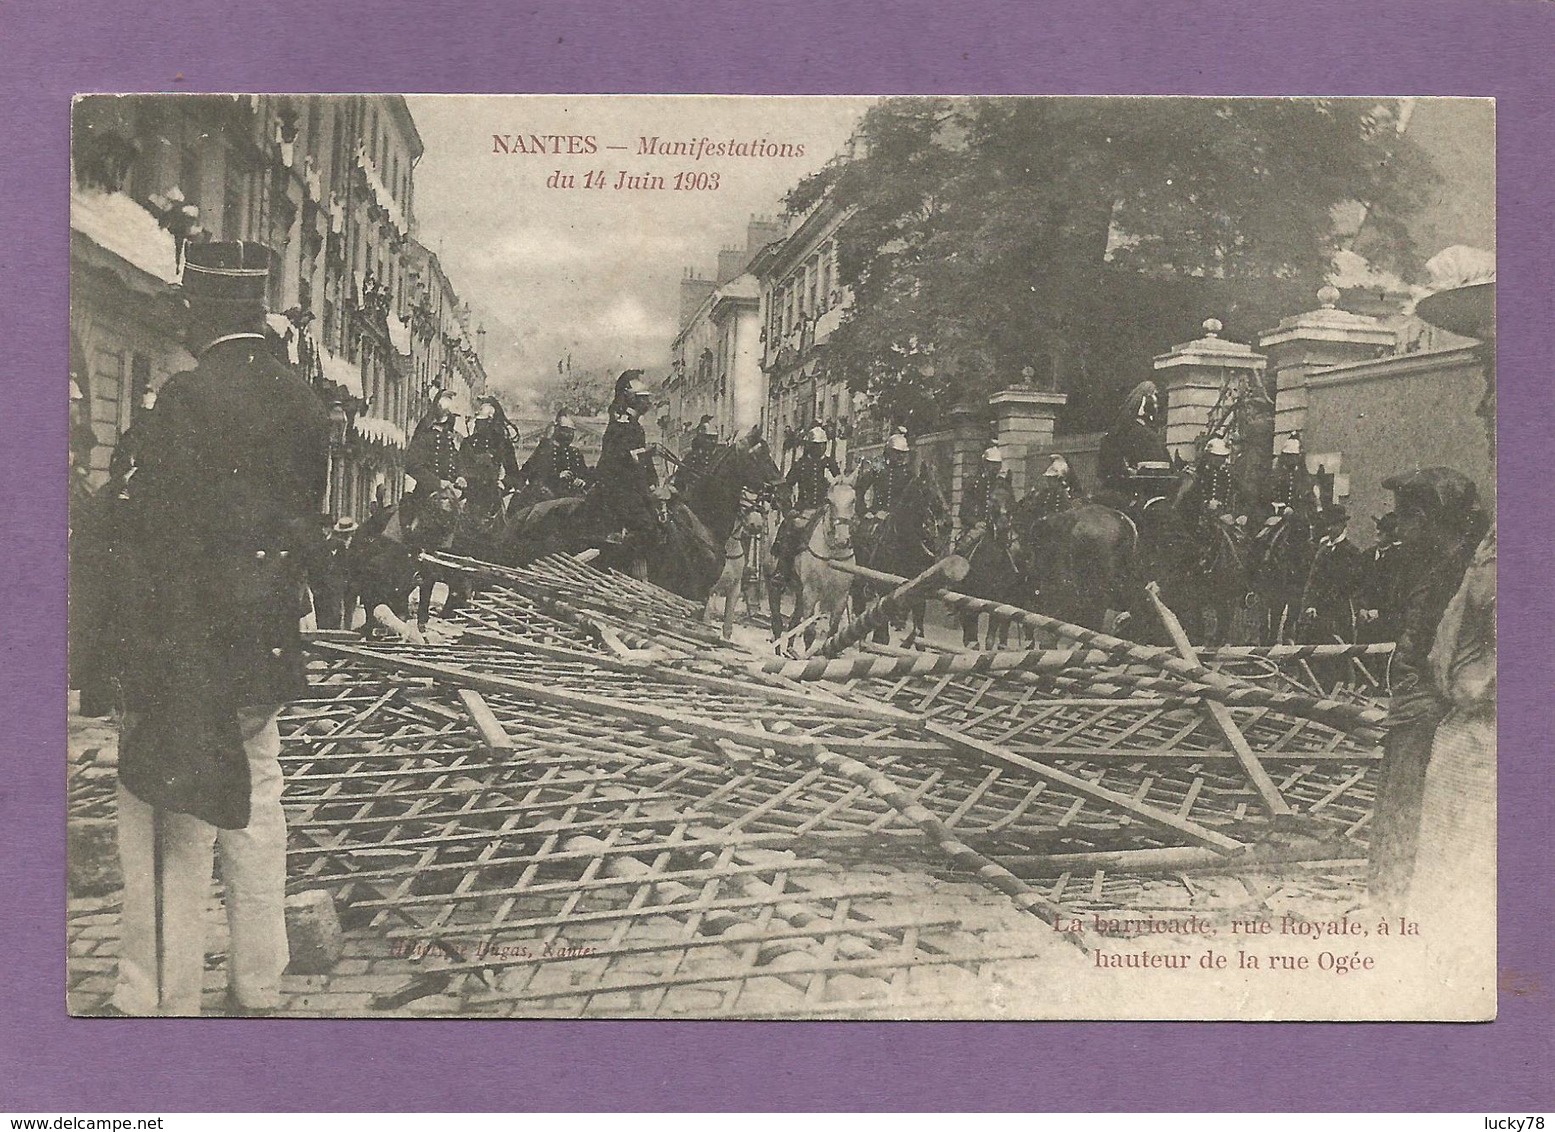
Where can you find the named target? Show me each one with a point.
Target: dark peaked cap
(235, 272)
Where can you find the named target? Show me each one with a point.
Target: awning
(342, 372)
(379, 431)
(116, 222)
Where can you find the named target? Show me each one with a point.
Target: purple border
(49, 1062)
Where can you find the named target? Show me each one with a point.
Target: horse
(993, 574)
(735, 481)
(1282, 558)
(731, 582)
(1201, 569)
(908, 540)
(823, 589)
(1078, 557)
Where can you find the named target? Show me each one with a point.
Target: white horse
(823, 590)
(730, 586)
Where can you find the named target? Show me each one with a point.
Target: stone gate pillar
(1195, 373)
(1305, 343)
(970, 431)
(1024, 423)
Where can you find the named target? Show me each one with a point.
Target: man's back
(237, 448)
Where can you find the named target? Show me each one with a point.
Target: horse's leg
(424, 600)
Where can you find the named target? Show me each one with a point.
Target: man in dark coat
(487, 457)
(1438, 529)
(1291, 485)
(626, 477)
(555, 464)
(881, 485)
(807, 482)
(1133, 439)
(432, 458)
(224, 509)
(1377, 604)
(987, 501)
(700, 456)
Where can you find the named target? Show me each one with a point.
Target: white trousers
(253, 869)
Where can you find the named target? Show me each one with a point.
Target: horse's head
(841, 500)
(758, 470)
(930, 513)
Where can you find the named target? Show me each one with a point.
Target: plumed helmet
(1445, 495)
(1217, 446)
(898, 442)
(816, 435)
(1142, 403)
(631, 382)
(993, 455)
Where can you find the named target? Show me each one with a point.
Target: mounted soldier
(555, 465)
(700, 456)
(807, 481)
(432, 458)
(1210, 492)
(881, 485)
(224, 511)
(626, 477)
(1133, 445)
(487, 458)
(1293, 488)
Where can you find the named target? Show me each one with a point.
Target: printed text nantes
(694, 148)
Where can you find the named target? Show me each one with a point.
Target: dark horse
(912, 537)
(1201, 568)
(1078, 557)
(735, 481)
(684, 553)
(1282, 556)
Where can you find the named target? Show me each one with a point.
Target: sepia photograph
(775, 557)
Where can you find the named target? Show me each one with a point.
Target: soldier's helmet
(1217, 446)
(1291, 445)
(564, 424)
(898, 441)
(816, 435)
(992, 454)
(631, 383)
(1057, 466)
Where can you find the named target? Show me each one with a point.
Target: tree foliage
(583, 392)
(1064, 241)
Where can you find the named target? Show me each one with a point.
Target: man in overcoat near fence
(208, 647)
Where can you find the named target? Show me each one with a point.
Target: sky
(595, 272)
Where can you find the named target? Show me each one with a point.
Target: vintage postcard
(782, 557)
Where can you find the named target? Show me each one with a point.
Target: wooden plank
(1220, 715)
(490, 727)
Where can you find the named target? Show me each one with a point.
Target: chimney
(693, 292)
(761, 231)
(731, 261)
